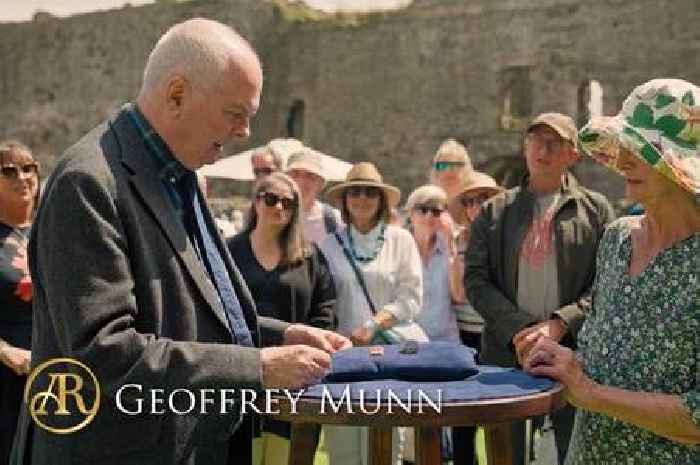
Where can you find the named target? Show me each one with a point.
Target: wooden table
(495, 415)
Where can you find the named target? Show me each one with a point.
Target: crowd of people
(121, 260)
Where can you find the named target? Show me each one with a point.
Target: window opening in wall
(590, 101)
(295, 119)
(516, 95)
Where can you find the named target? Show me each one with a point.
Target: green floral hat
(660, 123)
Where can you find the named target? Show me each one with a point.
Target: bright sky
(23, 10)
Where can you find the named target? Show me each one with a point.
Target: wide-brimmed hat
(477, 181)
(363, 174)
(660, 123)
(306, 159)
(562, 124)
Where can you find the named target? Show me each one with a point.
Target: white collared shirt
(394, 278)
(437, 318)
(314, 225)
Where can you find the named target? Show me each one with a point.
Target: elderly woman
(426, 206)
(288, 278)
(464, 208)
(451, 170)
(636, 377)
(387, 260)
(451, 167)
(19, 194)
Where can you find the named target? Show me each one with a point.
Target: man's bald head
(201, 89)
(200, 50)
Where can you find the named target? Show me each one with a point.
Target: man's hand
(293, 366)
(547, 358)
(327, 341)
(525, 340)
(18, 360)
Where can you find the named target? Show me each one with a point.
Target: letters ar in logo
(50, 408)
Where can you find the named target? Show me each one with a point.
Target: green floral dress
(643, 334)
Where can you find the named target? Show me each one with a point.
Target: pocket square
(411, 361)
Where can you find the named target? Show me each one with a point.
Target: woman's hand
(661, 413)
(525, 340)
(446, 229)
(362, 336)
(547, 358)
(18, 360)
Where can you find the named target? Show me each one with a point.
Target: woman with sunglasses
(451, 167)
(426, 207)
(19, 194)
(450, 170)
(288, 278)
(465, 207)
(386, 258)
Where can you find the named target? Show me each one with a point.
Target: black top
(15, 287)
(301, 293)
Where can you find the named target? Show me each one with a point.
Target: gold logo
(61, 407)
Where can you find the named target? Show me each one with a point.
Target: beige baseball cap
(564, 125)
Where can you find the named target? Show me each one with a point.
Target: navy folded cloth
(430, 361)
(490, 383)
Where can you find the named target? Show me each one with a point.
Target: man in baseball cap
(531, 258)
(550, 150)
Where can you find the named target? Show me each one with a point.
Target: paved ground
(545, 450)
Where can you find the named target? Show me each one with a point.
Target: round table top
(420, 413)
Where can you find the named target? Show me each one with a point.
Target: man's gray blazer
(118, 286)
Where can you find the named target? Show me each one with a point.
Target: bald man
(132, 280)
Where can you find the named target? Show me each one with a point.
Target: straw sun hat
(476, 182)
(363, 174)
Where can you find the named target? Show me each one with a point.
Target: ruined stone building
(386, 87)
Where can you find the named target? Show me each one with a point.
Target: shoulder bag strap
(358, 273)
(329, 221)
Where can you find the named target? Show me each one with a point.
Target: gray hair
(427, 194)
(277, 157)
(452, 147)
(199, 49)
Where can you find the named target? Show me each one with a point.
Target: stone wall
(61, 77)
(386, 87)
(394, 86)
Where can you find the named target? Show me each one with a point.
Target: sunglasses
(271, 200)
(474, 201)
(260, 172)
(448, 165)
(371, 192)
(14, 171)
(425, 210)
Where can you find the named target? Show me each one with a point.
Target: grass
(322, 453)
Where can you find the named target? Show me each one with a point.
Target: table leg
(499, 444)
(379, 446)
(427, 443)
(302, 443)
